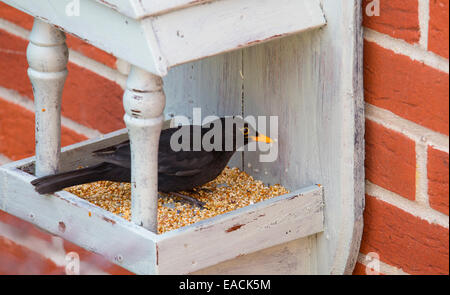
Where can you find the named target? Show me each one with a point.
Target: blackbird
(178, 170)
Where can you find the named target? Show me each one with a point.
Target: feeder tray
(231, 190)
(184, 250)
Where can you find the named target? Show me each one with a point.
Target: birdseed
(231, 190)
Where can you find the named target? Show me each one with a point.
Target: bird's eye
(245, 130)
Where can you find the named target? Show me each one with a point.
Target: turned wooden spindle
(144, 103)
(47, 56)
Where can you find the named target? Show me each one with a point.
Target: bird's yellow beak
(262, 138)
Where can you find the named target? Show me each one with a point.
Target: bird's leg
(187, 199)
(203, 189)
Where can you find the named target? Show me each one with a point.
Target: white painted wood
(313, 83)
(47, 56)
(243, 231)
(221, 26)
(78, 221)
(118, 34)
(246, 230)
(144, 102)
(139, 9)
(291, 258)
(181, 31)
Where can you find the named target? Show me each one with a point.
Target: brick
(398, 18)
(360, 269)
(91, 51)
(438, 180)
(438, 33)
(404, 240)
(24, 228)
(88, 98)
(390, 160)
(17, 132)
(16, 16)
(13, 64)
(18, 260)
(26, 21)
(406, 87)
(27, 229)
(92, 100)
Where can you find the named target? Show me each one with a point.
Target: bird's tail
(52, 183)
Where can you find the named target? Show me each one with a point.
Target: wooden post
(144, 103)
(47, 56)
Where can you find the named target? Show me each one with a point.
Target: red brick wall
(92, 104)
(407, 103)
(407, 150)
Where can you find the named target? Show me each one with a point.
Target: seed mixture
(231, 190)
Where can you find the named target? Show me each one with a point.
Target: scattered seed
(231, 190)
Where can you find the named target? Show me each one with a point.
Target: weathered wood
(313, 83)
(47, 56)
(243, 231)
(123, 36)
(291, 258)
(237, 233)
(78, 221)
(205, 30)
(139, 9)
(144, 102)
(181, 31)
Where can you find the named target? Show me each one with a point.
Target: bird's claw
(187, 199)
(204, 189)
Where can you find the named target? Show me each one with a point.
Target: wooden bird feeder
(309, 75)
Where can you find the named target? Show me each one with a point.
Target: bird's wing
(118, 154)
(180, 163)
(183, 163)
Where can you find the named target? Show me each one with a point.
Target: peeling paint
(157, 254)
(261, 41)
(204, 227)
(108, 220)
(234, 227)
(294, 197)
(112, 6)
(61, 227)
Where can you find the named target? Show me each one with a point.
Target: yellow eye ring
(245, 130)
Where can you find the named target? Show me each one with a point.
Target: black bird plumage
(177, 170)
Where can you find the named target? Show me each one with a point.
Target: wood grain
(194, 247)
(157, 35)
(313, 83)
(243, 231)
